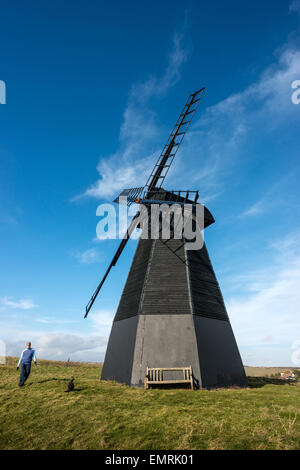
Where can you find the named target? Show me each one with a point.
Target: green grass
(106, 415)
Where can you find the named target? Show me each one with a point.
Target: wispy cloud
(295, 7)
(158, 86)
(52, 321)
(266, 309)
(257, 208)
(219, 138)
(8, 219)
(140, 135)
(222, 135)
(22, 304)
(10, 215)
(87, 257)
(272, 197)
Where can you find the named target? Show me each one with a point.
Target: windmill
(171, 312)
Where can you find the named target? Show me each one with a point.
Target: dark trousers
(24, 374)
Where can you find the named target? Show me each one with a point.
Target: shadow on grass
(33, 383)
(54, 378)
(46, 380)
(258, 382)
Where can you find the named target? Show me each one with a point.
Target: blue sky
(92, 91)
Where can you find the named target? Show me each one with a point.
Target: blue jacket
(26, 356)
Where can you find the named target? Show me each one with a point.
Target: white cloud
(272, 197)
(61, 344)
(140, 136)
(102, 321)
(87, 257)
(221, 137)
(265, 313)
(52, 321)
(23, 304)
(68, 345)
(257, 208)
(121, 172)
(155, 86)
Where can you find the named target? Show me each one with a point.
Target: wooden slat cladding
(130, 300)
(158, 283)
(205, 291)
(166, 285)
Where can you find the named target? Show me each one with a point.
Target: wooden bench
(155, 376)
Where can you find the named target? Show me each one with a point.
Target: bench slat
(154, 375)
(169, 381)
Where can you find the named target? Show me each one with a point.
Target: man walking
(25, 360)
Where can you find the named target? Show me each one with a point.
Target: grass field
(106, 415)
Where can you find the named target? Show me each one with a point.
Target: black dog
(70, 385)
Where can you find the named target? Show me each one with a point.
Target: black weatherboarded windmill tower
(171, 313)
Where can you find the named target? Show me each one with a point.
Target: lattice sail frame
(164, 161)
(167, 155)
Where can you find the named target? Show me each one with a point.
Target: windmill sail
(165, 160)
